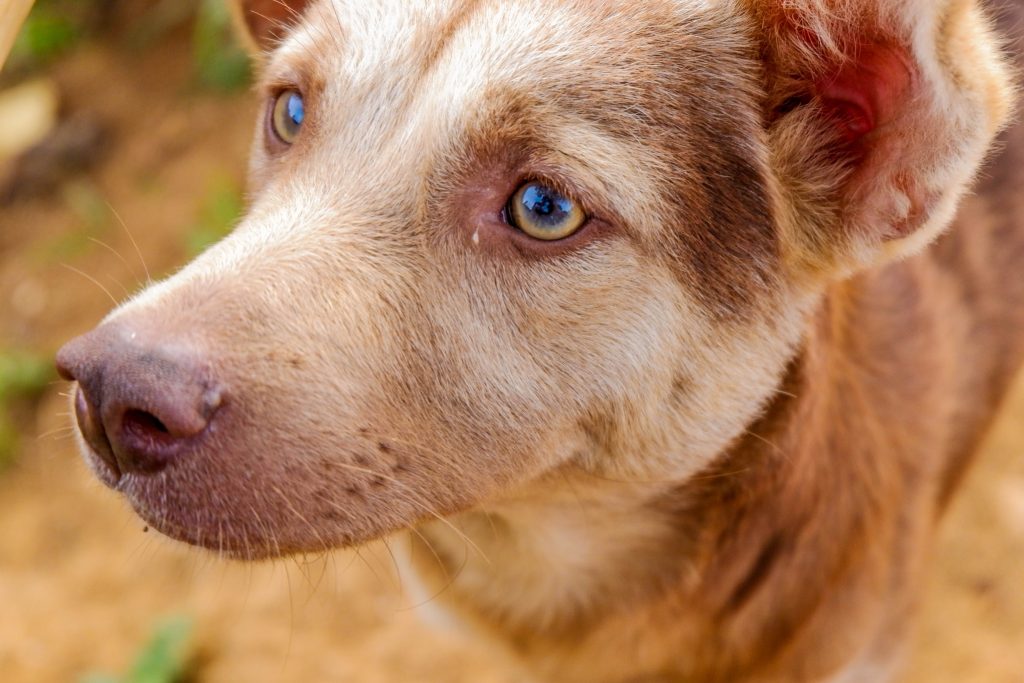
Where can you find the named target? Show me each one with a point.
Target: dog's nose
(138, 404)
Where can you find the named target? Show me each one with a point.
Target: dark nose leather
(140, 402)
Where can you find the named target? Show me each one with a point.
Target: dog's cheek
(544, 351)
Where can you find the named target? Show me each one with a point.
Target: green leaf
(8, 440)
(98, 678)
(164, 660)
(221, 64)
(24, 375)
(218, 213)
(45, 36)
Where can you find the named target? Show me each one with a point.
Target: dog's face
(488, 241)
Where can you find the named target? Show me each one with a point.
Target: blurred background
(124, 129)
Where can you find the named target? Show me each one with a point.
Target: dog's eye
(288, 115)
(544, 213)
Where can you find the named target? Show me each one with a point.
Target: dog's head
(491, 239)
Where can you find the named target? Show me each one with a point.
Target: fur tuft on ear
(265, 22)
(880, 113)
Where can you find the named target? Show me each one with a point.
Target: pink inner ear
(866, 92)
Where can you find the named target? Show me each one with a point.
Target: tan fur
(704, 440)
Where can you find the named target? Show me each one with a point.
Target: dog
(644, 317)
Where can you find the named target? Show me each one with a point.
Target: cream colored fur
(543, 422)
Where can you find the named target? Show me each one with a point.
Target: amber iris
(288, 115)
(544, 213)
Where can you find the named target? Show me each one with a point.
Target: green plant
(46, 35)
(219, 211)
(8, 439)
(164, 659)
(23, 376)
(220, 63)
(56, 26)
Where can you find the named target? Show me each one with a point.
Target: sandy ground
(81, 584)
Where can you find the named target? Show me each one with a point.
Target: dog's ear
(879, 113)
(265, 22)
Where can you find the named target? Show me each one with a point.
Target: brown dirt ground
(81, 585)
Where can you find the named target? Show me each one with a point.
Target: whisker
(57, 434)
(127, 294)
(91, 279)
(417, 504)
(775, 448)
(288, 8)
(661, 482)
(220, 539)
(283, 26)
(320, 539)
(291, 619)
(135, 244)
(394, 562)
(351, 561)
(341, 25)
(449, 578)
(115, 253)
(369, 566)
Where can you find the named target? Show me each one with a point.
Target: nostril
(145, 441)
(141, 404)
(141, 422)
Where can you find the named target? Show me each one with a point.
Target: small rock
(28, 112)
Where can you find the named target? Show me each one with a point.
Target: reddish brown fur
(707, 438)
(267, 21)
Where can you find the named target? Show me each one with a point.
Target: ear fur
(880, 113)
(263, 23)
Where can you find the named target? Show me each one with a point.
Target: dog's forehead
(398, 75)
(460, 47)
(638, 103)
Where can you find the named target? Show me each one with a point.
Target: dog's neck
(733, 543)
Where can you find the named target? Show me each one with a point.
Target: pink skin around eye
(482, 202)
